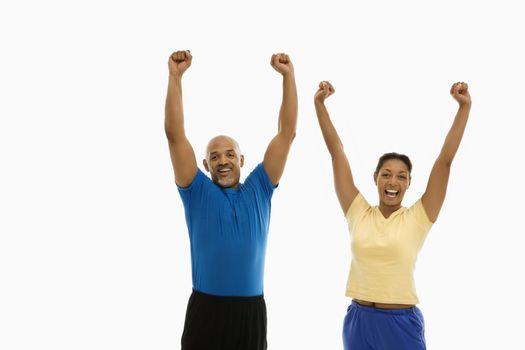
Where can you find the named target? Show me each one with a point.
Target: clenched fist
(282, 63)
(460, 93)
(325, 90)
(179, 61)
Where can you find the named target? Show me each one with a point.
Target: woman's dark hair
(394, 155)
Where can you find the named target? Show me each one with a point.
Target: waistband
(406, 311)
(233, 299)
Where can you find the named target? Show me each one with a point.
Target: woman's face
(392, 181)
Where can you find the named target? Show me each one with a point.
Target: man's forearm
(288, 112)
(174, 114)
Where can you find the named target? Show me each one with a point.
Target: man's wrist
(175, 79)
(465, 105)
(288, 75)
(175, 76)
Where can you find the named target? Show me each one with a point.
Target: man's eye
(402, 177)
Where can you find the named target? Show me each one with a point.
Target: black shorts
(224, 323)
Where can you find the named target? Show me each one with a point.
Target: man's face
(224, 161)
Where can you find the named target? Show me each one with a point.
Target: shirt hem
(376, 299)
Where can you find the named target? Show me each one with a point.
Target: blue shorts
(370, 328)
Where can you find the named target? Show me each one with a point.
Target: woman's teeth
(391, 193)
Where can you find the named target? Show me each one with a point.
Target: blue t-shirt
(228, 230)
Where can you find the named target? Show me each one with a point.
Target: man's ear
(205, 163)
(242, 160)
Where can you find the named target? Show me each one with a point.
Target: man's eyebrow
(228, 150)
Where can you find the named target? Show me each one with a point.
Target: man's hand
(282, 63)
(178, 63)
(460, 93)
(325, 90)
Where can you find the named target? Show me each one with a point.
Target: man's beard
(226, 181)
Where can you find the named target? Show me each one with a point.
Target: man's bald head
(224, 161)
(222, 140)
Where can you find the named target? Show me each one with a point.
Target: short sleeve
(193, 192)
(258, 178)
(185, 192)
(357, 208)
(420, 215)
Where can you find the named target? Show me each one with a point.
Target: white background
(94, 251)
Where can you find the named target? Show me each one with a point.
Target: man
(227, 221)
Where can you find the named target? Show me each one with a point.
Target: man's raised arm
(181, 152)
(277, 151)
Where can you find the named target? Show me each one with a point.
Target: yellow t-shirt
(384, 252)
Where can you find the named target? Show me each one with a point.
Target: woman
(387, 238)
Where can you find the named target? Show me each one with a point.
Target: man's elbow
(170, 135)
(289, 136)
(173, 136)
